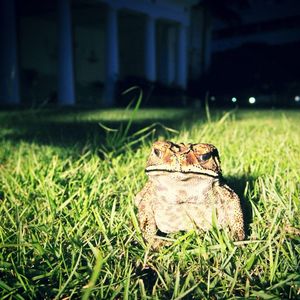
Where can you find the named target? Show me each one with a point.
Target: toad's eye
(205, 156)
(157, 153)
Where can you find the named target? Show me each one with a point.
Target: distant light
(297, 98)
(252, 100)
(213, 98)
(233, 99)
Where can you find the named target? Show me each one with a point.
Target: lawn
(68, 224)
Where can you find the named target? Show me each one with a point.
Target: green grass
(68, 224)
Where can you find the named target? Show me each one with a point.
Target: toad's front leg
(148, 225)
(147, 220)
(234, 213)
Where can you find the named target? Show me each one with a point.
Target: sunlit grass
(68, 224)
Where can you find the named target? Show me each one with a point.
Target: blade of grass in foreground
(95, 273)
(61, 290)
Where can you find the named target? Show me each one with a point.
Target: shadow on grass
(238, 184)
(74, 128)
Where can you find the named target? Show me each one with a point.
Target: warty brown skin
(184, 191)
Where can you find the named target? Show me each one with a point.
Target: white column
(112, 55)
(181, 78)
(66, 89)
(9, 69)
(171, 55)
(150, 49)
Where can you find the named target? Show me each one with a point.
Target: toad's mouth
(208, 173)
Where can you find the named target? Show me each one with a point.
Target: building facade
(70, 52)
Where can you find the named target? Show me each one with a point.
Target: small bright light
(252, 100)
(213, 98)
(233, 99)
(297, 98)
